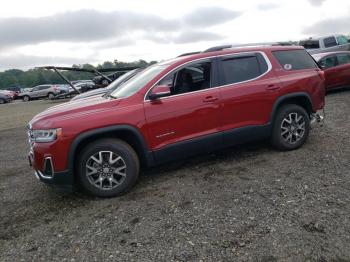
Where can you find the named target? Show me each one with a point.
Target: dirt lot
(247, 203)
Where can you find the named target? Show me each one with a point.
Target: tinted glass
(310, 44)
(328, 62)
(115, 84)
(188, 79)
(343, 59)
(330, 41)
(342, 40)
(239, 69)
(137, 82)
(294, 59)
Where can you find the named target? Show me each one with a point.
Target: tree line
(34, 77)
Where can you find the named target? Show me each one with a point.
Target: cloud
(329, 26)
(267, 6)
(196, 36)
(316, 2)
(209, 16)
(94, 26)
(29, 61)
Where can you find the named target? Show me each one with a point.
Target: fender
(283, 98)
(147, 155)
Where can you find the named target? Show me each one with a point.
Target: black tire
(51, 96)
(285, 137)
(2, 101)
(120, 149)
(26, 98)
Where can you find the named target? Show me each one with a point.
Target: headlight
(44, 136)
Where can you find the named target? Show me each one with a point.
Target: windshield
(122, 79)
(136, 83)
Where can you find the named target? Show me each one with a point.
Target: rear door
(248, 92)
(344, 68)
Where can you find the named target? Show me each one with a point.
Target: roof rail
(222, 47)
(217, 48)
(190, 53)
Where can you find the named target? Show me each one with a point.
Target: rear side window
(294, 59)
(244, 68)
(343, 59)
(330, 41)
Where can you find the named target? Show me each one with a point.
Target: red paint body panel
(181, 117)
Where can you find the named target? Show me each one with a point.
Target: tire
(99, 182)
(105, 82)
(51, 96)
(2, 101)
(290, 136)
(26, 98)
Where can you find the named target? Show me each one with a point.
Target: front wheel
(291, 127)
(26, 98)
(2, 101)
(108, 167)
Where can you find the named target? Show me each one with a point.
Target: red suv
(174, 109)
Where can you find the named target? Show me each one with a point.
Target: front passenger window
(328, 62)
(188, 79)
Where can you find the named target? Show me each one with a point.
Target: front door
(187, 121)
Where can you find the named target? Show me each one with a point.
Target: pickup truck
(330, 43)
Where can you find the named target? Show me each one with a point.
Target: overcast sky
(63, 32)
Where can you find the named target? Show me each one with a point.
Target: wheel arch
(126, 133)
(302, 99)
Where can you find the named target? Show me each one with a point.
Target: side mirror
(159, 91)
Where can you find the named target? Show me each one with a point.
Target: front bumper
(63, 180)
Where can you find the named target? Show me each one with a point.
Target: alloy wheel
(106, 170)
(293, 128)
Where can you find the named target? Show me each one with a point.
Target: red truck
(174, 109)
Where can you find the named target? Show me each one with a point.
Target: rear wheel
(26, 98)
(291, 127)
(2, 101)
(108, 167)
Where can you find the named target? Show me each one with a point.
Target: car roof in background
(319, 56)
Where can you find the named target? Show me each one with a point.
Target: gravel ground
(249, 203)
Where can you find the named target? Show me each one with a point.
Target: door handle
(210, 99)
(272, 87)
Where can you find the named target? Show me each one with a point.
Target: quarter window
(330, 41)
(294, 59)
(239, 69)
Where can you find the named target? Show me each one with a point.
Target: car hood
(74, 109)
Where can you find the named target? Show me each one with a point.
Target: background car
(325, 44)
(15, 89)
(5, 97)
(113, 86)
(41, 91)
(103, 82)
(336, 66)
